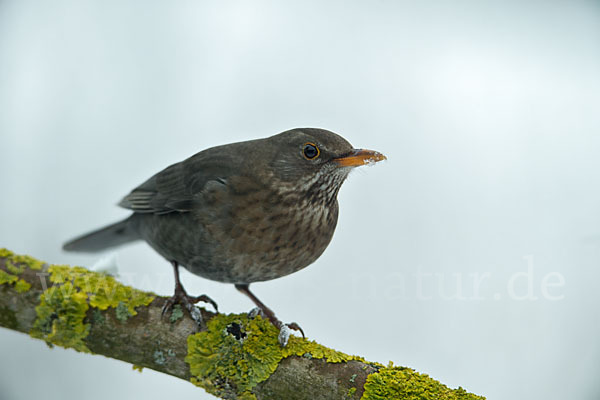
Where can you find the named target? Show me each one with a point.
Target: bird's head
(317, 160)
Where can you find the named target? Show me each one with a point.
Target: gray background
(487, 111)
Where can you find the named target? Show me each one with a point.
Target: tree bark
(150, 340)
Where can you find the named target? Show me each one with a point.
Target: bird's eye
(310, 151)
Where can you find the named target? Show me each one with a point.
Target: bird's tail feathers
(110, 236)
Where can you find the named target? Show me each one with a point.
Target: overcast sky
(472, 254)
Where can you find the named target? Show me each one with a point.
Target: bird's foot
(285, 330)
(188, 302)
(256, 311)
(265, 312)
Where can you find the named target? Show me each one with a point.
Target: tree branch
(232, 357)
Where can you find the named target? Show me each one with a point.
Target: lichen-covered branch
(232, 357)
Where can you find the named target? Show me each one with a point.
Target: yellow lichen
(61, 313)
(5, 253)
(138, 368)
(12, 268)
(104, 291)
(22, 286)
(60, 317)
(23, 260)
(406, 384)
(5, 277)
(236, 353)
(31, 262)
(301, 347)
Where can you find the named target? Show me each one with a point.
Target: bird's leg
(284, 329)
(181, 297)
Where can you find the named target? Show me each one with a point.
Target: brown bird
(240, 213)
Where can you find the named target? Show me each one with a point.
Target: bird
(240, 213)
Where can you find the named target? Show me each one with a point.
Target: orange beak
(358, 157)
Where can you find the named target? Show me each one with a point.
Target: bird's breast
(261, 235)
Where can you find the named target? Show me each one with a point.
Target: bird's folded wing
(176, 188)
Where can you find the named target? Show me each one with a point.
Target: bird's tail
(110, 236)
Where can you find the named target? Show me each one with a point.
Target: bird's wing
(176, 188)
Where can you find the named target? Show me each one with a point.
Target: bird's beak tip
(359, 157)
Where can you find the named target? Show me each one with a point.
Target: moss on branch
(234, 357)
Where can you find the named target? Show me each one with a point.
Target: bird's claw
(195, 314)
(266, 313)
(285, 330)
(294, 326)
(256, 311)
(205, 299)
(188, 302)
(284, 335)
